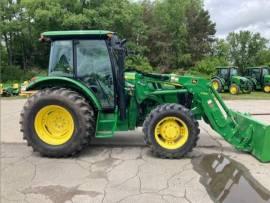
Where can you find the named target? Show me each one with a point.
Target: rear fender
(53, 81)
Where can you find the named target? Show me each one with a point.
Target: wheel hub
(171, 133)
(215, 85)
(54, 124)
(233, 90)
(170, 130)
(267, 88)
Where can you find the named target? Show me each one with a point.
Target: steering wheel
(90, 82)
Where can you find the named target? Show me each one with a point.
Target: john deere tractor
(7, 90)
(228, 79)
(88, 93)
(260, 78)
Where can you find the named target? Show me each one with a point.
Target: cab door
(94, 69)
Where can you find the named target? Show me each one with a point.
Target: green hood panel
(239, 78)
(267, 78)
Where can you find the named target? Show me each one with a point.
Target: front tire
(266, 88)
(57, 122)
(234, 89)
(172, 131)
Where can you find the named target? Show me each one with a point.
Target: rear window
(61, 59)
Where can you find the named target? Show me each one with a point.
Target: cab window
(94, 69)
(223, 73)
(256, 73)
(61, 59)
(266, 71)
(234, 72)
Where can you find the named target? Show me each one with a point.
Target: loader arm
(239, 129)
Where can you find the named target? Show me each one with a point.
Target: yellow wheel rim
(233, 90)
(54, 125)
(267, 89)
(171, 133)
(215, 85)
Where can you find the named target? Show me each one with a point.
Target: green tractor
(8, 90)
(227, 78)
(260, 78)
(88, 94)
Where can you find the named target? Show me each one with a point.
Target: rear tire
(217, 85)
(179, 114)
(76, 108)
(248, 89)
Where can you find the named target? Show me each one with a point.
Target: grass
(251, 96)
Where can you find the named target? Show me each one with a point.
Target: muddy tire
(179, 115)
(47, 135)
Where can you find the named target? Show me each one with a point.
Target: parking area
(123, 169)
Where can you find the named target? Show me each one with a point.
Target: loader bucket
(256, 133)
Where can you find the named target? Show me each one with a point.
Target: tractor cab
(227, 72)
(258, 72)
(93, 57)
(260, 77)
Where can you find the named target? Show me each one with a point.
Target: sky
(235, 15)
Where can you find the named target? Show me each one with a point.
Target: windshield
(266, 71)
(223, 73)
(256, 73)
(234, 72)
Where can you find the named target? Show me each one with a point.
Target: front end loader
(88, 93)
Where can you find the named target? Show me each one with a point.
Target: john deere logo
(194, 81)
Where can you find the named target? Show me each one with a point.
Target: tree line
(166, 35)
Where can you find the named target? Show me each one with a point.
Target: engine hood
(267, 78)
(240, 78)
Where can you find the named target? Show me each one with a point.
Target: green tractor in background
(90, 94)
(228, 79)
(260, 77)
(8, 90)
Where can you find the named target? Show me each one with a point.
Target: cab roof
(258, 67)
(76, 34)
(224, 67)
